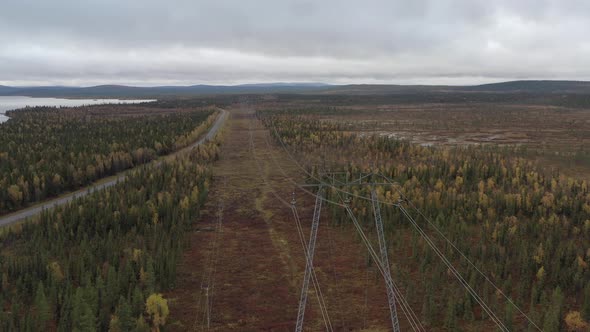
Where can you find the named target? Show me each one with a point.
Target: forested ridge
(526, 228)
(46, 151)
(100, 262)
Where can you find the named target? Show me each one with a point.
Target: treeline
(46, 151)
(100, 262)
(525, 228)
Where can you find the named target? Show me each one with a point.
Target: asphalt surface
(66, 198)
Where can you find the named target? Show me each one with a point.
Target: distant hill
(122, 91)
(6, 90)
(533, 87)
(356, 89)
(158, 91)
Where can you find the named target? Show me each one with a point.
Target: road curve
(102, 184)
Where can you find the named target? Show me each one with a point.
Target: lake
(8, 103)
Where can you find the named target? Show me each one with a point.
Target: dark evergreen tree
(124, 314)
(586, 303)
(42, 309)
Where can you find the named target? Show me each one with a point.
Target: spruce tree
(126, 321)
(42, 310)
(451, 314)
(83, 319)
(137, 302)
(141, 325)
(586, 303)
(65, 321)
(509, 316)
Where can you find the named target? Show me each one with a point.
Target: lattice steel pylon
(309, 259)
(385, 261)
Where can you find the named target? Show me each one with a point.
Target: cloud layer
(147, 42)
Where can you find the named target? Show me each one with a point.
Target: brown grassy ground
(461, 124)
(551, 134)
(260, 265)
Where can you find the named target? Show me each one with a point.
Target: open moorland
(538, 127)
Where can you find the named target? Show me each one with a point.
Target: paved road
(31, 211)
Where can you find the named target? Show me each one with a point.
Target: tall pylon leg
(309, 259)
(385, 261)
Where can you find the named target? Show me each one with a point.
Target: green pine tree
(126, 320)
(509, 316)
(65, 322)
(114, 325)
(552, 321)
(451, 315)
(586, 306)
(141, 325)
(42, 309)
(137, 302)
(83, 318)
(468, 308)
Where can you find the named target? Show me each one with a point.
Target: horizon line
(286, 84)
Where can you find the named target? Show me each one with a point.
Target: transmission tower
(309, 259)
(385, 261)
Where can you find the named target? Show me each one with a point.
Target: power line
(464, 283)
(455, 272)
(484, 305)
(427, 219)
(316, 284)
(412, 318)
(407, 310)
(463, 255)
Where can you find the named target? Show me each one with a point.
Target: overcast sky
(146, 42)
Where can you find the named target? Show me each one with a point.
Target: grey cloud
(184, 42)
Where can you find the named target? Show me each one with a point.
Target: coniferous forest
(47, 151)
(100, 262)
